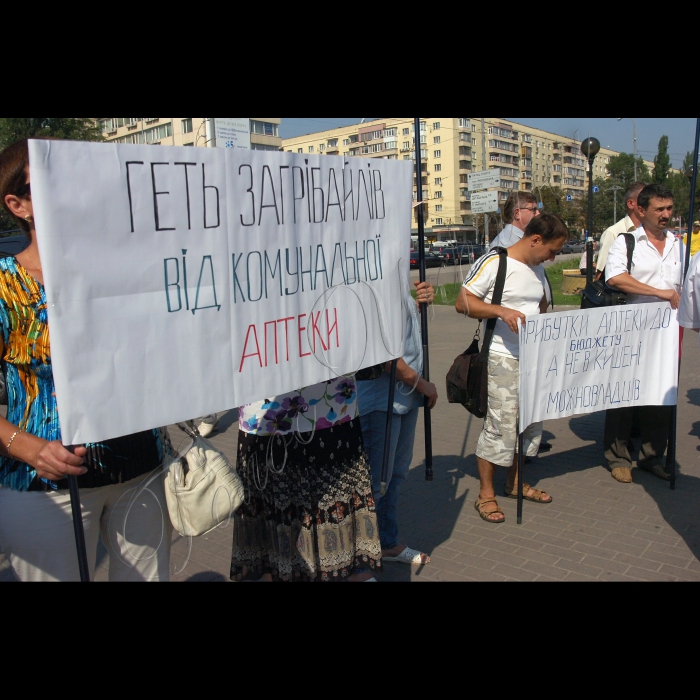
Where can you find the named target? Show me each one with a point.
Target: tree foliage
(662, 162)
(71, 128)
(621, 169)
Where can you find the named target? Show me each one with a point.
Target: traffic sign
(484, 202)
(568, 197)
(595, 188)
(484, 179)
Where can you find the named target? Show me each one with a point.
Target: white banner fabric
(186, 281)
(582, 361)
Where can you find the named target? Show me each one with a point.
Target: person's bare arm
(472, 306)
(408, 376)
(626, 283)
(50, 459)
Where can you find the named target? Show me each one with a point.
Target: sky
(610, 132)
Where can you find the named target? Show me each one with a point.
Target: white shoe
(208, 425)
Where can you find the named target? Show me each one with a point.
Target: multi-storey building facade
(529, 159)
(186, 131)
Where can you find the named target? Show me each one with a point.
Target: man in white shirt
(518, 211)
(657, 273)
(523, 295)
(630, 223)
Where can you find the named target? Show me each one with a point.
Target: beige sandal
(537, 497)
(485, 514)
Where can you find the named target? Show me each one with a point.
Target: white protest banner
(186, 281)
(583, 361)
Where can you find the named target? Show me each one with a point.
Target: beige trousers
(36, 532)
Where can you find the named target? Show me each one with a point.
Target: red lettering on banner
(245, 347)
(274, 330)
(330, 328)
(286, 333)
(315, 332)
(301, 328)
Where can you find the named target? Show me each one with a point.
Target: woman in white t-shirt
(523, 295)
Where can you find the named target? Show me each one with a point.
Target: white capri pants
(36, 532)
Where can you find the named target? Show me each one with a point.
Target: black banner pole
(671, 457)
(521, 458)
(423, 306)
(387, 431)
(78, 529)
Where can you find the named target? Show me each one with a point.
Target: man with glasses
(519, 210)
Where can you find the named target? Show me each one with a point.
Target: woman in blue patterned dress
(309, 512)
(36, 529)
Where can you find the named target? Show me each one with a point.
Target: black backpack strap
(549, 284)
(630, 240)
(496, 299)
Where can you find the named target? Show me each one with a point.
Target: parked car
(439, 248)
(470, 252)
(431, 260)
(573, 247)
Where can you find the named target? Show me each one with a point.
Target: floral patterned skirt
(309, 511)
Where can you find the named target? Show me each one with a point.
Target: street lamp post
(634, 137)
(589, 148)
(615, 189)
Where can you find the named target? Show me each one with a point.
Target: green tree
(71, 128)
(662, 162)
(621, 169)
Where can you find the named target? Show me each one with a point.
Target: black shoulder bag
(467, 380)
(597, 294)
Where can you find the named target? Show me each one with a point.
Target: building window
(465, 124)
(406, 132)
(436, 140)
(436, 154)
(390, 132)
(389, 145)
(188, 144)
(406, 145)
(332, 143)
(311, 149)
(438, 194)
(438, 222)
(473, 142)
(437, 167)
(438, 207)
(300, 150)
(322, 147)
(187, 126)
(263, 128)
(436, 125)
(346, 142)
(438, 181)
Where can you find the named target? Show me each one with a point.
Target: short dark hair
(14, 163)
(651, 191)
(515, 201)
(633, 190)
(549, 226)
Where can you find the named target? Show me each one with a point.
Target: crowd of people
(310, 460)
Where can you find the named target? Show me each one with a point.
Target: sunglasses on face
(530, 209)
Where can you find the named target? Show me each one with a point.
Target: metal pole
(671, 457)
(78, 529)
(387, 431)
(483, 167)
(423, 308)
(589, 240)
(634, 136)
(521, 459)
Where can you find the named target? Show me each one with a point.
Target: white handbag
(202, 488)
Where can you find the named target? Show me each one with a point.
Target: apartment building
(529, 159)
(186, 131)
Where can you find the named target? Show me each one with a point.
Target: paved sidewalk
(596, 528)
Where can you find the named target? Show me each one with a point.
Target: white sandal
(409, 556)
